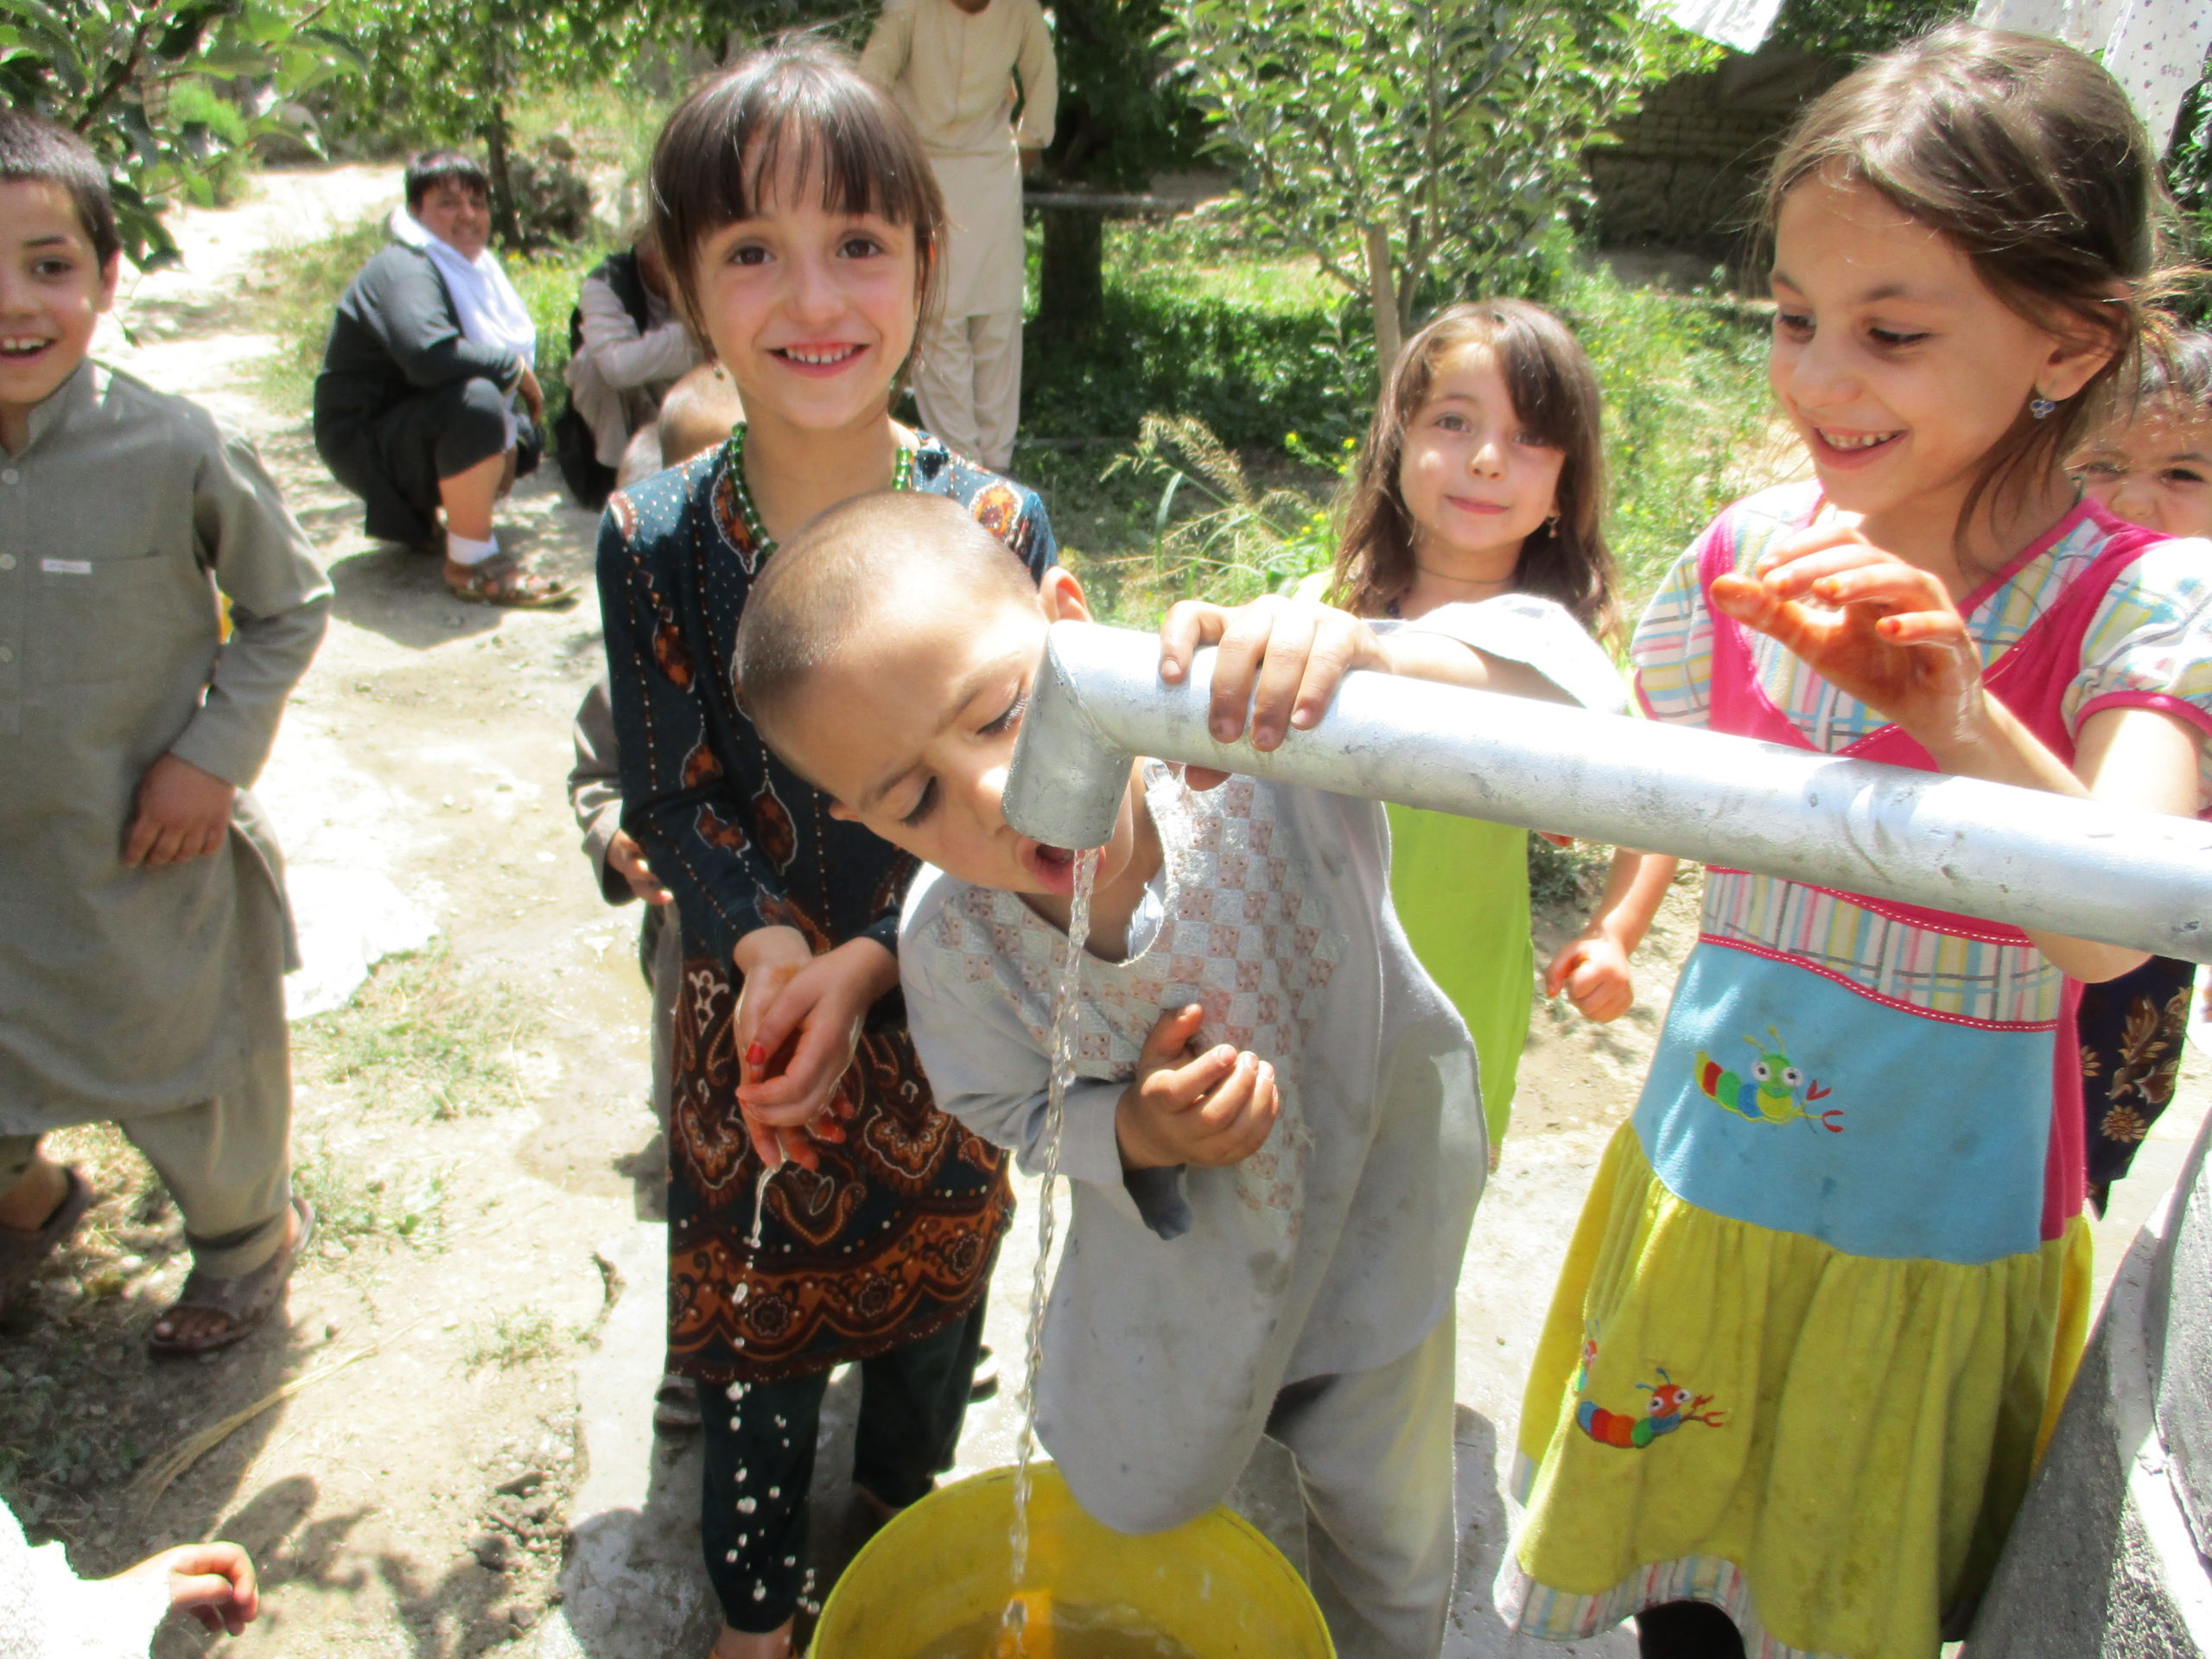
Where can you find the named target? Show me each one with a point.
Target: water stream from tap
(1063, 1073)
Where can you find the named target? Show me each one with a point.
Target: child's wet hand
(803, 1039)
(182, 813)
(1213, 1108)
(1882, 630)
(1594, 974)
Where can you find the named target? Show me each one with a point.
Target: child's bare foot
(741, 1645)
(211, 1313)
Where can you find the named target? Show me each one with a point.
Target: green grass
(354, 1208)
(513, 1339)
(421, 1036)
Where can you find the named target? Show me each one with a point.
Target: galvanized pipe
(2140, 879)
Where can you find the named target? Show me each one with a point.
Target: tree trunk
(1071, 285)
(504, 223)
(1382, 295)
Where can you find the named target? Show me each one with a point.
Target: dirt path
(478, 1126)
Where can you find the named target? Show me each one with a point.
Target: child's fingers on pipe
(1336, 652)
(1285, 661)
(1189, 623)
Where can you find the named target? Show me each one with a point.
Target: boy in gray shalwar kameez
(144, 937)
(1266, 1231)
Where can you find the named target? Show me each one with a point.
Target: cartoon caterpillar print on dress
(1770, 1094)
(1669, 1407)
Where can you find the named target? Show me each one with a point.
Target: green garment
(1461, 889)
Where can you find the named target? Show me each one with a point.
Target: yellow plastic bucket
(1215, 1584)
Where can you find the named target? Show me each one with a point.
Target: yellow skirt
(1831, 1447)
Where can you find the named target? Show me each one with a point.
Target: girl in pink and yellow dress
(1832, 1279)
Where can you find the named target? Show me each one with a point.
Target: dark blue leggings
(759, 1441)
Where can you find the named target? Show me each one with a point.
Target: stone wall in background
(1685, 171)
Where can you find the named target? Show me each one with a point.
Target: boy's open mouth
(1053, 867)
(19, 345)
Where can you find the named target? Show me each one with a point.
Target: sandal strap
(244, 1298)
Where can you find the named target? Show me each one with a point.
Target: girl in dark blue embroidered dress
(801, 227)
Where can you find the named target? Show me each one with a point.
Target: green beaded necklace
(902, 478)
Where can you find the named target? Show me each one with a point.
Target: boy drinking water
(143, 946)
(1275, 1137)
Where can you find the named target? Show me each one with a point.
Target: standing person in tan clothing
(145, 938)
(950, 66)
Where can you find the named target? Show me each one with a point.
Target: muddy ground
(476, 1121)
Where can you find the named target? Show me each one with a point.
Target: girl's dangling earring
(2039, 407)
(1551, 521)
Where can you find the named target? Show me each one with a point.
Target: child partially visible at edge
(803, 229)
(1275, 1139)
(2151, 466)
(142, 964)
(1831, 1281)
(1482, 483)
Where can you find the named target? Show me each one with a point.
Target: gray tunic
(124, 991)
(1188, 1298)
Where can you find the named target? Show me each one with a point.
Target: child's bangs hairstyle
(34, 150)
(802, 106)
(436, 167)
(1554, 393)
(2026, 156)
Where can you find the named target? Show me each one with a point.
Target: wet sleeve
(675, 799)
(2150, 645)
(279, 605)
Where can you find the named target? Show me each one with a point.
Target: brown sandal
(23, 1250)
(246, 1301)
(500, 580)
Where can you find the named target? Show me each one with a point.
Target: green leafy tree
(451, 70)
(135, 77)
(1415, 146)
(1123, 117)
